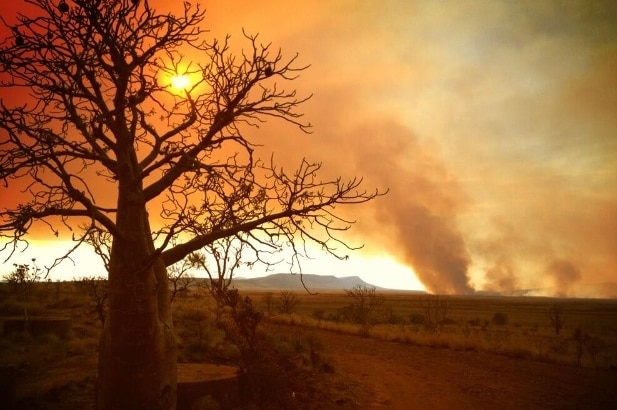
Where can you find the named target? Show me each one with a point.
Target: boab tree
(92, 136)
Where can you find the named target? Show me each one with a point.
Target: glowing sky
(493, 124)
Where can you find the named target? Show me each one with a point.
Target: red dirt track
(398, 376)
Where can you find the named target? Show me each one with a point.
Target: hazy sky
(493, 124)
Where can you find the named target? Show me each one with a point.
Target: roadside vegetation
(573, 331)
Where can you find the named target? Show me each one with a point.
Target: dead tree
(366, 308)
(219, 261)
(436, 311)
(180, 279)
(556, 318)
(97, 289)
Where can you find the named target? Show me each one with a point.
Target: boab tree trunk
(138, 350)
(137, 358)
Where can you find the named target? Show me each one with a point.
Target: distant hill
(288, 281)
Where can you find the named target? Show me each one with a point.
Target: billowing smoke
(527, 173)
(427, 240)
(417, 220)
(501, 278)
(420, 210)
(499, 254)
(564, 274)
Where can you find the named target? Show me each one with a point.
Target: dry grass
(516, 327)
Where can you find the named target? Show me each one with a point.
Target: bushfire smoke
(417, 221)
(421, 209)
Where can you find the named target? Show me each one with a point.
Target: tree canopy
(94, 139)
(90, 88)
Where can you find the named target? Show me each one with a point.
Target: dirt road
(398, 376)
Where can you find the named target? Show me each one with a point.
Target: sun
(180, 82)
(182, 78)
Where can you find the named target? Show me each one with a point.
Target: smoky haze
(565, 274)
(417, 221)
(493, 132)
(421, 209)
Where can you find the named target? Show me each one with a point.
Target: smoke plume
(417, 220)
(420, 210)
(564, 274)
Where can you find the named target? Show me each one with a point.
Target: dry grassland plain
(519, 326)
(58, 370)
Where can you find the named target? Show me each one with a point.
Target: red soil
(400, 376)
(378, 374)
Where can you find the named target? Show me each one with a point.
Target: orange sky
(492, 123)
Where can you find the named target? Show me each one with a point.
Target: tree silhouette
(97, 290)
(366, 308)
(92, 136)
(22, 280)
(220, 261)
(555, 317)
(180, 279)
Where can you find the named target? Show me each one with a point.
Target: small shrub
(287, 372)
(319, 314)
(594, 346)
(586, 342)
(21, 280)
(335, 316)
(466, 330)
(97, 289)
(558, 346)
(391, 317)
(416, 319)
(11, 308)
(366, 308)
(500, 319)
(436, 313)
(315, 348)
(287, 302)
